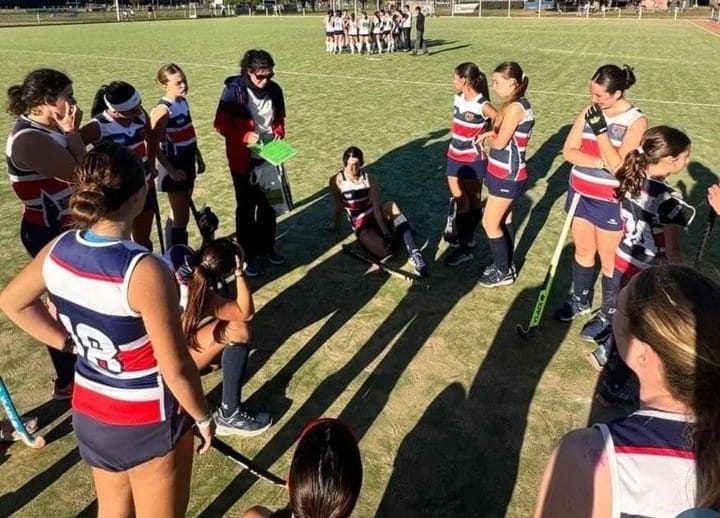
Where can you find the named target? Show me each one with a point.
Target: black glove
(208, 223)
(595, 119)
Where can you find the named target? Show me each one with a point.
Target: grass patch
(454, 414)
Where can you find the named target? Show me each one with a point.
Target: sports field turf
(455, 415)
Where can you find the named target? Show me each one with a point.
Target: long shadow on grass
(16, 500)
(336, 290)
(462, 457)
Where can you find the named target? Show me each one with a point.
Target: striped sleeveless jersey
(594, 182)
(652, 467)
(117, 380)
(509, 163)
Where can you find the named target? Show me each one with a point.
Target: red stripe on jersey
(139, 359)
(181, 134)
(625, 267)
(592, 189)
(32, 189)
(648, 450)
(522, 141)
(87, 275)
(114, 411)
(499, 172)
(590, 147)
(140, 149)
(466, 131)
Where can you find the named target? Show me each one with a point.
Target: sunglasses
(262, 77)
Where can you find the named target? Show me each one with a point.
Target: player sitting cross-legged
(376, 224)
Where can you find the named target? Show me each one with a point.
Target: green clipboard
(275, 152)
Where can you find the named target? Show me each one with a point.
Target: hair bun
(629, 76)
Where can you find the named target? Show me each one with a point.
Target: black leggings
(255, 219)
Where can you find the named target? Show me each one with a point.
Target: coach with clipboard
(252, 111)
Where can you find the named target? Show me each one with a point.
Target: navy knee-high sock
(609, 294)
(583, 281)
(508, 229)
(499, 250)
(402, 227)
(464, 228)
(234, 364)
(475, 218)
(178, 236)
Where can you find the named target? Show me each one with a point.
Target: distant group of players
(385, 31)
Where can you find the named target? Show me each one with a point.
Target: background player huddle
(385, 30)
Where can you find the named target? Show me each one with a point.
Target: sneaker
(242, 422)
(596, 328)
(609, 396)
(453, 242)
(253, 269)
(62, 393)
(572, 308)
(274, 258)
(513, 270)
(598, 358)
(458, 256)
(419, 263)
(8, 433)
(492, 277)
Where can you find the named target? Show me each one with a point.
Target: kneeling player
(357, 193)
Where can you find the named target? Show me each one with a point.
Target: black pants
(406, 37)
(420, 43)
(255, 219)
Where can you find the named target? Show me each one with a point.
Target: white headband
(640, 150)
(128, 105)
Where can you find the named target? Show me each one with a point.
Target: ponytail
(98, 105)
(632, 174)
(197, 290)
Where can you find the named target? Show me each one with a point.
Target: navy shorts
(466, 170)
(602, 214)
(35, 237)
(502, 188)
(119, 448)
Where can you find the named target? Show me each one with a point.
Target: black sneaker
(242, 422)
(572, 308)
(419, 263)
(609, 396)
(458, 256)
(598, 358)
(493, 277)
(454, 242)
(596, 328)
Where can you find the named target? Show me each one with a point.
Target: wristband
(204, 422)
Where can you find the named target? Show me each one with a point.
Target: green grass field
(455, 415)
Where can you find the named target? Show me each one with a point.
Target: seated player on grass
(376, 224)
(325, 474)
(217, 326)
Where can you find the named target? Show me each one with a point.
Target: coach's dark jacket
(234, 121)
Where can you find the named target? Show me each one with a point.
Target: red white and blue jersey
(652, 464)
(468, 122)
(180, 140)
(509, 163)
(594, 182)
(44, 199)
(356, 199)
(132, 136)
(117, 380)
(644, 219)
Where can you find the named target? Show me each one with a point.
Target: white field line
(716, 34)
(334, 76)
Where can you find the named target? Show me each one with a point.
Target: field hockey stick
(158, 225)
(242, 461)
(382, 267)
(17, 424)
(550, 275)
(712, 215)
(285, 184)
